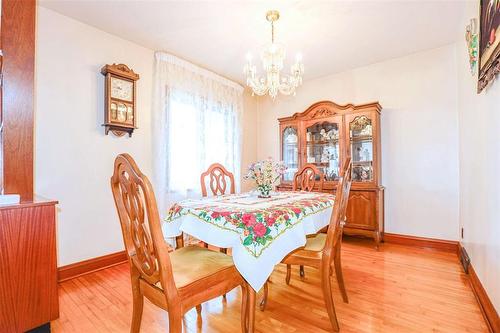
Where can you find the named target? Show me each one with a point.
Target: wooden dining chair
(175, 281)
(219, 177)
(308, 178)
(323, 251)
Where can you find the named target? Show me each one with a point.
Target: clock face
(122, 89)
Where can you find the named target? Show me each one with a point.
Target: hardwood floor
(398, 289)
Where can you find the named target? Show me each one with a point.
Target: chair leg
(263, 302)
(244, 308)
(198, 309)
(251, 309)
(326, 287)
(175, 321)
(302, 272)
(138, 304)
(340, 277)
(288, 273)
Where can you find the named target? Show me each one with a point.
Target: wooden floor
(397, 289)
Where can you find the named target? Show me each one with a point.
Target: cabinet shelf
(320, 163)
(322, 142)
(360, 138)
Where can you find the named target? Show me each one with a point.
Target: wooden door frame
(18, 45)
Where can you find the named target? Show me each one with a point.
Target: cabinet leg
(377, 239)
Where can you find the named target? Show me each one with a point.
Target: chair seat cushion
(192, 263)
(315, 243)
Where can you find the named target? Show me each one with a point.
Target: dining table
(259, 231)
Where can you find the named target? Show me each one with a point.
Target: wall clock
(119, 99)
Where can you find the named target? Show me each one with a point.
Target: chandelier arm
(272, 32)
(259, 86)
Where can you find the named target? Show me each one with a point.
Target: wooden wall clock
(119, 99)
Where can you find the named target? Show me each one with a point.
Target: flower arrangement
(265, 173)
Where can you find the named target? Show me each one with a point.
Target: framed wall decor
(471, 38)
(489, 42)
(119, 99)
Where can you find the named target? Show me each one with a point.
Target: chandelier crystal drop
(272, 61)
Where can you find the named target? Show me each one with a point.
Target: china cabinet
(324, 135)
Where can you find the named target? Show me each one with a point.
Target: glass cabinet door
(361, 142)
(322, 148)
(290, 151)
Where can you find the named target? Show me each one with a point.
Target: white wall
(479, 119)
(73, 157)
(419, 134)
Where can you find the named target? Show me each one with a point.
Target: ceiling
(332, 36)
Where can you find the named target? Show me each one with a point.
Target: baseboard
(438, 244)
(91, 265)
(489, 312)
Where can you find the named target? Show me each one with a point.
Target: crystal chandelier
(272, 60)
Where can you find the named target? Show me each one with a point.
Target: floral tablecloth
(260, 232)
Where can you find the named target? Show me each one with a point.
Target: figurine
(325, 157)
(366, 155)
(323, 134)
(360, 156)
(365, 175)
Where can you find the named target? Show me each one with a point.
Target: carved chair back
(334, 235)
(307, 177)
(218, 180)
(146, 248)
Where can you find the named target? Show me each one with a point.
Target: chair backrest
(217, 182)
(146, 248)
(334, 236)
(307, 177)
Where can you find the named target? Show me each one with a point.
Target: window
(196, 122)
(199, 135)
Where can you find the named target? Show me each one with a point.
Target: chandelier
(272, 60)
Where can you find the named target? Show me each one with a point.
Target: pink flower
(215, 215)
(259, 229)
(296, 210)
(248, 219)
(286, 217)
(270, 220)
(225, 214)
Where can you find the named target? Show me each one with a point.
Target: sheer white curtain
(196, 122)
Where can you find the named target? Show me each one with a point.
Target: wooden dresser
(324, 135)
(28, 265)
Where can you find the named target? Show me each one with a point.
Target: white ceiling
(332, 36)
